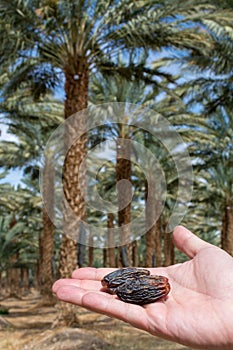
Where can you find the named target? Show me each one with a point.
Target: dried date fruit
(114, 280)
(136, 286)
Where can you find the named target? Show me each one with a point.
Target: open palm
(197, 312)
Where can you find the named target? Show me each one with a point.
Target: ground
(28, 326)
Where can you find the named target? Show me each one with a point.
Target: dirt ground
(28, 326)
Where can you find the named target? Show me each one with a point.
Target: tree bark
(168, 249)
(67, 313)
(47, 238)
(227, 228)
(82, 247)
(13, 273)
(135, 253)
(111, 249)
(158, 243)
(150, 225)
(13, 278)
(91, 251)
(24, 280)
(76, 90)
(105, 257)
(123, 177)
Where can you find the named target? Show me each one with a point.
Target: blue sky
(14, 176)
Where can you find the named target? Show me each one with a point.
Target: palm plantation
(27, 122)
(118, 89)
(214, 180)
(74, 46)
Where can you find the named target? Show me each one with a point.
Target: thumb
(187, 242)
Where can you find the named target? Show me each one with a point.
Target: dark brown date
(136, 286)
(114, 280)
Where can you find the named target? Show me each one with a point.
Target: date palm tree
(210, 81)
(20, 227)
(210, 88)
(63, 41)
(26, 121)
(50, 43)
(214, 183)
(119, 89)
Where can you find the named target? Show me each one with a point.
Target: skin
(198, 311)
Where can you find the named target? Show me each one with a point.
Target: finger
(103, 303)
(86, 284)
(91, 273)
(187, 242)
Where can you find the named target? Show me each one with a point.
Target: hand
(198, 311)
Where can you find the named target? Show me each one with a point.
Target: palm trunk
(46, 252)
(227, 228)
(13, 272)
(24, 280)
(91, 251)
(111, 249)
(47, 239)
(76, 89)
(105, 257)
(151, 227)
(39, 274)
(14, 277)
(81, 255)
(158, 243)
(123, 172)
(135, 253)
(153, 224)
(168, 249)
(82, 247)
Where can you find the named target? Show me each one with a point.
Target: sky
(14, 176)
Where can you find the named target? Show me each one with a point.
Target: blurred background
(60, 57)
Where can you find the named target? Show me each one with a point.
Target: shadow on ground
(28, 326)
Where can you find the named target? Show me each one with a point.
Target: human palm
(198, 310)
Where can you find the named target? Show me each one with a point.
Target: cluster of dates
(136, 286)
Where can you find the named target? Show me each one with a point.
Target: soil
(28, 326)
